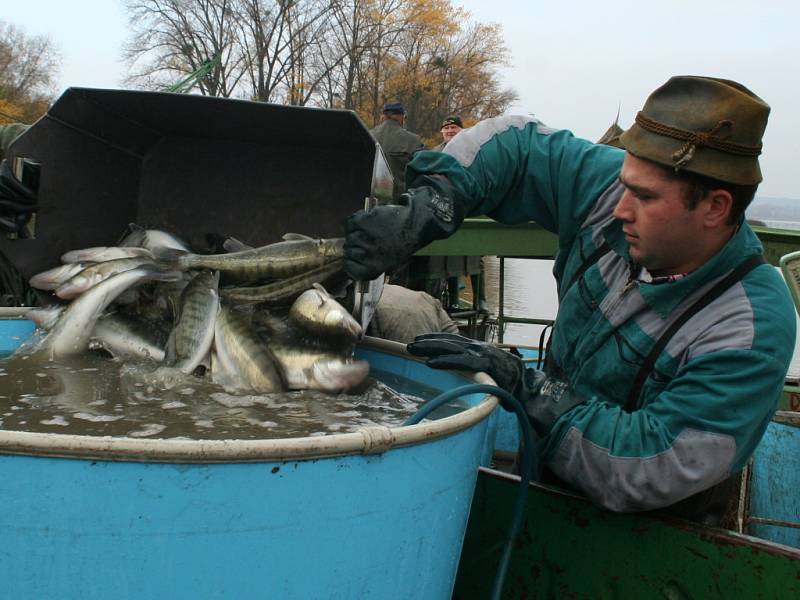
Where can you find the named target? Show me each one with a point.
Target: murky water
(98, 396)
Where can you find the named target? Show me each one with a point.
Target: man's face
(664, 236)
(449, 131)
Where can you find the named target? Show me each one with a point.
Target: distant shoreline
(783, 213)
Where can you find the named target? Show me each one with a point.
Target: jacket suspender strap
(633, 401)
(595, 256)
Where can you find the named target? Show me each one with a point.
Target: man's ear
(719, 204)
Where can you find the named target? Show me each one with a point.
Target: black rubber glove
(17, 201)
(451, 351)
(384, 237)
(546, 399)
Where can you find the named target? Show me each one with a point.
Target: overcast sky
(573, 63)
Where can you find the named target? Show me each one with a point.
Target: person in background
(398, 144)
(403, 314)
(673, 337)
(450, 128)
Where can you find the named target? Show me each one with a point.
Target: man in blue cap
(398, 144)
(673, 337)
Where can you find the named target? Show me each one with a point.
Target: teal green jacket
(716, 385)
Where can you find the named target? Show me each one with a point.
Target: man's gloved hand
(545, 398)
(17, 201)
(451, 351)
(384, 237)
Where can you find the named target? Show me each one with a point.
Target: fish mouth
(353, 329)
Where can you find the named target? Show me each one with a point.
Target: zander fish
(279, 260)
(316, 312)
(71, 334)
(97, 272)
(193, 334)
(152, 239)
(52, 278)
(240, 360)
(123, 338)
(306, 367)
(103, 253)
(283, 291)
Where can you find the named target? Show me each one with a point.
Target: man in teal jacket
(672, 339)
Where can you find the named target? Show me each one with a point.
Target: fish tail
(172, 258)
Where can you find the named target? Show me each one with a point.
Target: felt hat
(708, 126)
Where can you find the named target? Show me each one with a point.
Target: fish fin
(231, 244)
(159, 274)
(169, 256)
(319, 287)
(289, 237)
(133, 228)
(44, 317)
(170, 353)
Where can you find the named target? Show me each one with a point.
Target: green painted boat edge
(569, 548)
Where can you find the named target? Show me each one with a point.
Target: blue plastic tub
(380, 513)
(12, 333)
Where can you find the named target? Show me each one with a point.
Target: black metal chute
(192, 165)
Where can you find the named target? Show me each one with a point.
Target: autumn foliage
(353, 54)
(28, 65)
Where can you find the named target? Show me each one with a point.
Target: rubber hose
(526, 472)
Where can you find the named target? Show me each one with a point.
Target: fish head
(338, 375)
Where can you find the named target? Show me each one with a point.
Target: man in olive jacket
(398, 144)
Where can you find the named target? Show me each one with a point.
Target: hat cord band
(696, 140)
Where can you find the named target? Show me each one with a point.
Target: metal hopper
(191, 165)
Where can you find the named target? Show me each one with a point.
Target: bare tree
(28, 68)
(275, 36)
(353, 54)
(175, 38)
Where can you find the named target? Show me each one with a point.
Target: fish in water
(306, 344)
(97, 272)
(316, 312)
(275, 261)
(191, 339)
(72, 332)
(125, 338)
(305, 367)
(240, 360)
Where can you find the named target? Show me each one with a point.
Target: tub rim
(374, 439)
